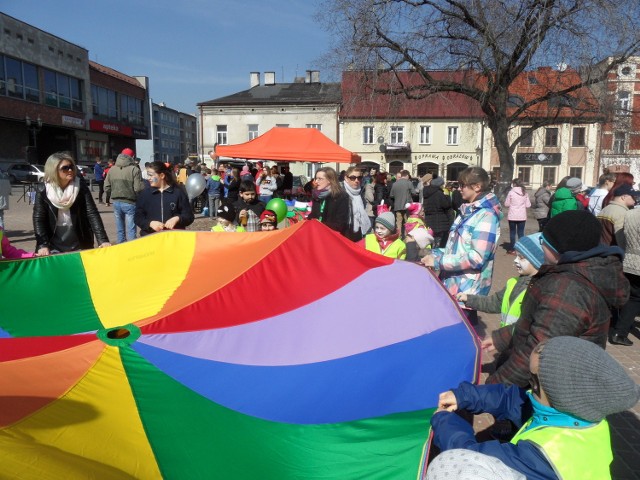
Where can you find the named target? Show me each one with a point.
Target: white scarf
(63, 199)
(360, 218)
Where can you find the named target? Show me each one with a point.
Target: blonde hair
(51, 166)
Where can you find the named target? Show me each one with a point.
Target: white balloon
(195, 185)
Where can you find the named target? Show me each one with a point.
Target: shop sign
(72, 121)
(109, 127)
(140, 132)
(538, 158)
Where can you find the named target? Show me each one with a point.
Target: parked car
(25, 172)
(86, 172)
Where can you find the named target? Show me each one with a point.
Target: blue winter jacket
(215, 188)
(510, 403)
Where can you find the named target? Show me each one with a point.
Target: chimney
(269, 78)
(315, 76)
(308, 77)
(254, 79)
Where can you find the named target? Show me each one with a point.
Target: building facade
(174, 134)
(441, 134)
(243, 116)
(620, 144)
(53, 98)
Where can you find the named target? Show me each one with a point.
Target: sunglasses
(353, 178)
(66, 168)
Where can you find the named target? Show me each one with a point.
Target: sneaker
(617, 339)
(108, 204)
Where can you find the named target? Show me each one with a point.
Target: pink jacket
(517, 204)
(9, 251)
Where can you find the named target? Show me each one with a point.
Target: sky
(191, 50)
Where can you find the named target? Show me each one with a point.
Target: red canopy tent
(284, 144)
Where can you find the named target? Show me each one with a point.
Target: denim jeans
(513, 227)
(123, 213)
(214, 203)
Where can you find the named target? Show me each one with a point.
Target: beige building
(441, 134)
(243, 116)
(551, 153)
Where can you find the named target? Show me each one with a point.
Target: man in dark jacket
(572, 294)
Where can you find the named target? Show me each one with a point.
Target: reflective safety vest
(219, 228)
(511, 310)
(574, 453)
(396, 250)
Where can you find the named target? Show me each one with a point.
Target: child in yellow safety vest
(226, 215)
(508, 301)
(386, 239)
(563, 430)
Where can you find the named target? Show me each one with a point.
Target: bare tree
(487, 45)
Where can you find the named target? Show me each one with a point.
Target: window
(62, 91)
(524, 174)
(527, 137)
(575, 172)
(31, 89)
(103, 102)
(221, 134)
(19, 79)
(579, 137)
(131, 110)
(367, 135)
(495, 174)
(397, 134)
(425, 134)
(551, 137)
(283, 125)
(515, 101)
(549, 175)
(619, 142)
(253, 131)
(452, 135)
(623, 104)
(317, 126)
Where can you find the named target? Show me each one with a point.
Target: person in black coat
(65, 217)
(164, 205)
(437, 211)
(381, 191)
(330, 201)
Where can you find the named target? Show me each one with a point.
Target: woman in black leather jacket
(65, 217)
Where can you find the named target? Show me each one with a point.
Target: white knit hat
(460, 464)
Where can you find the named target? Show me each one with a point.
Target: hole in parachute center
(118, 333)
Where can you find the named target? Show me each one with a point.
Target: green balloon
(279, 207)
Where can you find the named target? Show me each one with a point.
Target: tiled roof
(283, 94)
(363, 98)
(114, 73)
(364, 95)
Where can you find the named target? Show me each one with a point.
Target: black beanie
(573, 230)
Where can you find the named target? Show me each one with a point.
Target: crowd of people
(577, 284)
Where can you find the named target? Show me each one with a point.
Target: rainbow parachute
(285, 355)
